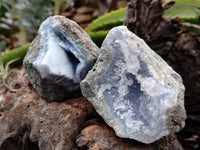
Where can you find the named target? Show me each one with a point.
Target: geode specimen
(59, 58)
(134, 89)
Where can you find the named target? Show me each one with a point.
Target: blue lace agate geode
(134, 90)
(59, 58)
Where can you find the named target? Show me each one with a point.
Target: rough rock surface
(59, 58)
(98, 137)
(134, 90)
(28, 122)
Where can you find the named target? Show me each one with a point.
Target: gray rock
(59, 58)
(134, 89)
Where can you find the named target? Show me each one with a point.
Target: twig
(190, 25)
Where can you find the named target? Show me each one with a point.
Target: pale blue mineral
(134, 90)
(59, 58)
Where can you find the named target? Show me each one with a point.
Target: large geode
(59, 58)
(134, 89)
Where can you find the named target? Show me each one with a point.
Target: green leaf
(184, 9)
(15, 53)
(98, 37)
(108, 21)
(27, 12)
(4, 7)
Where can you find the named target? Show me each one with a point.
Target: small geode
(134, 89)
(59, 58)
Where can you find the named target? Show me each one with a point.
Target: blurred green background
(25, 16)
